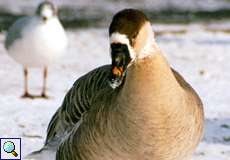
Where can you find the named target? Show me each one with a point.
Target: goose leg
(44, 88)
(26, 92)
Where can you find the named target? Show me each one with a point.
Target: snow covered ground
(201, 56)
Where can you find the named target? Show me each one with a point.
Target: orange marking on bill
(118, 71)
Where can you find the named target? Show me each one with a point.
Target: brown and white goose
(154, 115)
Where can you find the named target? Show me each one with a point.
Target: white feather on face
(123, 39)
(146, 50)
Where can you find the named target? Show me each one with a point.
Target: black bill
(120, 60)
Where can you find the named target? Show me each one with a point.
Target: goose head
(46, 10)
(131, 38)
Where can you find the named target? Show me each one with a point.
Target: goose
(150, 113)
(37, 41)
(130, 118)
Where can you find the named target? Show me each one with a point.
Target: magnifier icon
(9, 147)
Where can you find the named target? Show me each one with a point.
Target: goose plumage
(154, 115)
(77, 102)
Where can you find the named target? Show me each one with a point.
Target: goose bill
(120, 61)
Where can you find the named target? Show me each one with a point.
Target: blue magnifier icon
(9, 147)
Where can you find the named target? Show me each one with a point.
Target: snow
(201, 56)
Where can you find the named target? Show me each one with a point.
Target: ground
(200, 52)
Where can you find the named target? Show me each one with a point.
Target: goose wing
(76, 103)
(187, 87)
